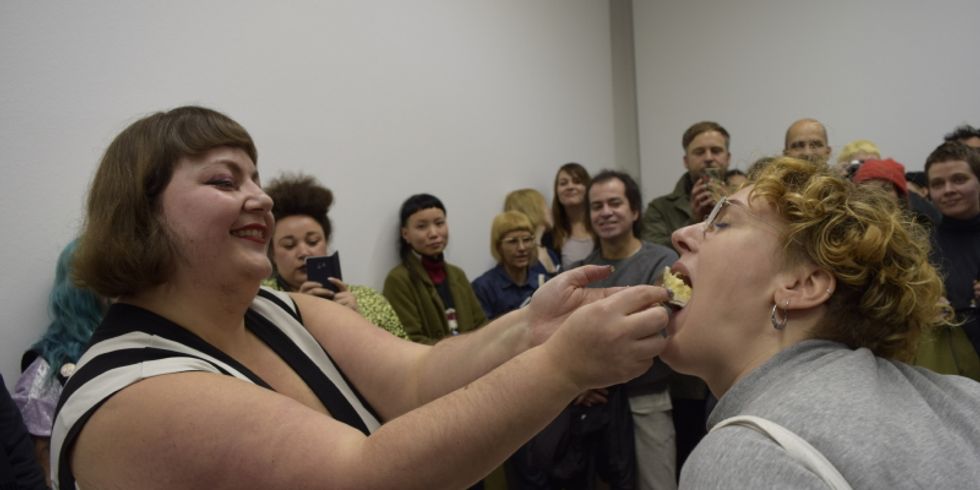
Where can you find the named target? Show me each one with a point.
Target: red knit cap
(888, 170)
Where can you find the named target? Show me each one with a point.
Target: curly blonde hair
(887, 292)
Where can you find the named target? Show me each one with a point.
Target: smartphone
(321, 267)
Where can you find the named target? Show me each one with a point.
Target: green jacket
(418, 305)
(668, 213)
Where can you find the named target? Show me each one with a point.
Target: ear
(405, 233)
(686, 165)
(805, 286)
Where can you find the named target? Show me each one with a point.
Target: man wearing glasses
(806, 139)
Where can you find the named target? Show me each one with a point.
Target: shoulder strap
(795, 445)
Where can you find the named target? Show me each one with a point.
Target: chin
(674, 357)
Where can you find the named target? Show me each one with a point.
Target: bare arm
(199, 430)
(410, 374)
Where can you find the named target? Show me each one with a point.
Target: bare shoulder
(204, 430)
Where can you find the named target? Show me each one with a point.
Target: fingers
(316, 289)
(582, 276)
(341, 285)
(346, 298)
(636, 298)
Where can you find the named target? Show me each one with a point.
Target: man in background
(806, 139)
(966, 134)
(706, 158)
(614, 210)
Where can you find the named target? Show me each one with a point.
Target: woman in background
(532, 204)
(517, 274)
(75, 313)
(572, 234)
(853, 154)
(303, 229)
(432, 297)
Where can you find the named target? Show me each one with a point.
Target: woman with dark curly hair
(808, 293)
(303, 230)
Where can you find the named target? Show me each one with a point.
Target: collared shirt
(499, 294)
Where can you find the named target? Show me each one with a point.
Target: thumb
(584, 275)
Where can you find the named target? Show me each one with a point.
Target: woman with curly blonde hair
(808, 293)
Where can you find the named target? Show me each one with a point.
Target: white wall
(380, 100)
(901, 73)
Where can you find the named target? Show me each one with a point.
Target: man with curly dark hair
(966, 134)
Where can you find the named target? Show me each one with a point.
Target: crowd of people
(835, 301)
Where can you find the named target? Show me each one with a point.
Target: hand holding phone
(320, 268)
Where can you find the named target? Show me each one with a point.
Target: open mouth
(680, 287)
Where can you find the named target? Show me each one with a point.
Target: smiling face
(570, 191)
(296, 238)
(732, 265)
(427, 231)
(218, 217)
(954, 189)
(610, 212)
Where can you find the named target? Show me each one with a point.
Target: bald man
(807, 139)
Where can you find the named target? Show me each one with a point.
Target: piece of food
(680, 290)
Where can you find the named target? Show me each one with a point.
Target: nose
(305, 250)
(687, 239)
(258, 200)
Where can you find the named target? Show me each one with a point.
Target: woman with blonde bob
(532, 204)
(199, 378)
(808, 295)
(517, 274)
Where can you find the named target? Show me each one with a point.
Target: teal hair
(75, 313)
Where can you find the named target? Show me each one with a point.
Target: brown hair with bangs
(562, 226)
(124, 246)
(887, 292)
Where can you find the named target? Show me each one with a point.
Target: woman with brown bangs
(572, 235)
(809, 294)
(197, 377)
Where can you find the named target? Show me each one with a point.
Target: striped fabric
(133, 344)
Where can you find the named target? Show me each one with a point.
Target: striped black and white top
(133, 344)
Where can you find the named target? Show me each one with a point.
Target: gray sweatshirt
(883, 424)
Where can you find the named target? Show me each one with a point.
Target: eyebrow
(234, 166)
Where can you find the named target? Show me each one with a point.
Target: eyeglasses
(711, 222)
(526, 241)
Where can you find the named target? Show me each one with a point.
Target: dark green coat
(419, 307)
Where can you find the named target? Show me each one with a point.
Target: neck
(576, 221)
(769, 343)
(516, 274)
(216, 314)
(620, 247)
